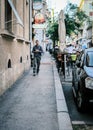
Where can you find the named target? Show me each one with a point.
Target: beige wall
(13, 49)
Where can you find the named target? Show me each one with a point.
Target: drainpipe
(30, 21)
(30, 24)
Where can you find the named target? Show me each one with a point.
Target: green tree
(53, 32)
(74, 19)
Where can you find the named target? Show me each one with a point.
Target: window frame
(16, 13)
(8, 16)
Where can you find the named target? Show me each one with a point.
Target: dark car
(82, 80)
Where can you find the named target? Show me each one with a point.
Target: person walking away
(37, 51)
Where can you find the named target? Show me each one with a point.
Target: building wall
(16, 47)
(87, 6)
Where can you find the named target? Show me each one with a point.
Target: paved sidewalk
(36, 102)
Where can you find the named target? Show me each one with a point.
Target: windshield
(89, 59)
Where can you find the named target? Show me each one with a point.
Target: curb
(62, 110)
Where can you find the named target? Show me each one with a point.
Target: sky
(60, 4)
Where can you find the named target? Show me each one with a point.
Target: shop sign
(39, 18)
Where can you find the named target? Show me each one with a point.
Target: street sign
(39, 18)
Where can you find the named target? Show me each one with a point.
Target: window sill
(27, 42)
(7, 35)
(19, 39)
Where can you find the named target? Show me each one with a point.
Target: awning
(16, 13)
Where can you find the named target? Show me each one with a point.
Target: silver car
(82, 80)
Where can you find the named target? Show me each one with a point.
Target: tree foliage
(53, 31)
(73, 19)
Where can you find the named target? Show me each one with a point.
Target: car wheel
(81, 102)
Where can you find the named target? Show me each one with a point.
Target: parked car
(82, 80)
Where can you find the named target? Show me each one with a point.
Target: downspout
(30, 25)
(30, 20)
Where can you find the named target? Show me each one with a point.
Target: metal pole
(30, 26)
(30, 20)
(65, 66)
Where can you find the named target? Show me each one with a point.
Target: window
(15, 12)
(90, 6)
(9, 63)
(21, 59)
(27, 1)
(27, 57)
(8, 17)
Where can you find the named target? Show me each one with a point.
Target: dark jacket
(39, 52)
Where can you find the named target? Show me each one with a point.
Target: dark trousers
(36, 64)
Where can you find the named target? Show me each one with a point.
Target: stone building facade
(14, 41)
